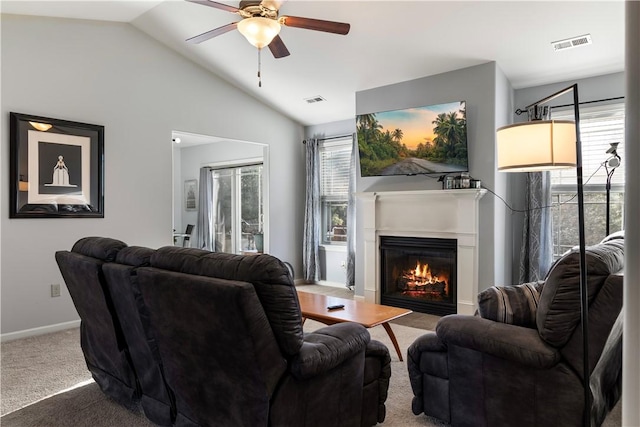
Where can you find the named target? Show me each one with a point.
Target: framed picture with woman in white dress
(56, 168)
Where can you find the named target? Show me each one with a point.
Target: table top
(314, 306)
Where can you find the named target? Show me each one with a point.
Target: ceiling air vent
(314, 99)
(572, 42)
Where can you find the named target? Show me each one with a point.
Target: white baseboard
(319, 282)
(333, 284)
(39, 331)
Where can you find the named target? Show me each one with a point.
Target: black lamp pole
(584, 300)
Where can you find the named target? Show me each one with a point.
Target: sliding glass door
(239, 217)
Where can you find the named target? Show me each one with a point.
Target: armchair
(474, 371)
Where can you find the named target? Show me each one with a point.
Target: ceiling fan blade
(217, 5)
(212, 33)
(277, 48)
(315, 24)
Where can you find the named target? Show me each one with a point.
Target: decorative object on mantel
(56, 168)
(542, 145)
(462, 181)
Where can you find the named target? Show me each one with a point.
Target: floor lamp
(610, 166)
(543, 145)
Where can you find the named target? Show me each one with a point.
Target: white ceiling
(389, 42)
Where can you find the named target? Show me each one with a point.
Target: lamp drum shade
(536, 146)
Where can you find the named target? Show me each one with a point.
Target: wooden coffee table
(314, 306)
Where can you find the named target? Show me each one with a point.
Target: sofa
(519, 360)
(203, 339)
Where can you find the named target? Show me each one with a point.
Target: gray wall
(477, 86)
(503, 224)
(113, 75)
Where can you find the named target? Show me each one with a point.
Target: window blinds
(334, 170)
(599, 126)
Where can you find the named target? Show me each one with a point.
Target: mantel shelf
(476, 193)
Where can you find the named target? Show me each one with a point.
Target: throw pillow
(516, 305)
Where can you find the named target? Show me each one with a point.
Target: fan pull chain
(259, 66)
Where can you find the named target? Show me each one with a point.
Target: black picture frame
(56, 168)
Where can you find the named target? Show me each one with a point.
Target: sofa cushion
(134, 256)
(268, 275)
(516, 305)
(102, 248)
(559, 308)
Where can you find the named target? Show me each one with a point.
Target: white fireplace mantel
(445, 214)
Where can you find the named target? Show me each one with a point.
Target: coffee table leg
(387, 327)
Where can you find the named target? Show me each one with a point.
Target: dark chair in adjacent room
(518, 365)
(186, 236)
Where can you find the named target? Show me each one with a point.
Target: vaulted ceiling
(389, 42)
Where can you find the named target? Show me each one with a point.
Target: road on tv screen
(413, 165)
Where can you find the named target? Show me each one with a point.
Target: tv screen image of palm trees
(421, 140)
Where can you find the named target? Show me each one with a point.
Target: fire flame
(422, 277)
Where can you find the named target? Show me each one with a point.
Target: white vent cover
(572, 42)
(314, 99)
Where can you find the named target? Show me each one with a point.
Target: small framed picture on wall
(191, 194)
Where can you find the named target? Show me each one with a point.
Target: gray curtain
(204, 228)
(312, 219)
(536, 254)
(351, 218)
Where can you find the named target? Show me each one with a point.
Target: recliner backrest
(268, 275)
(559, 308)
(603, 313)
(216, 343)
(103, 344)
(122, 281)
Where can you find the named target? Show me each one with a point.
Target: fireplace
(434, 214)
(419, 273)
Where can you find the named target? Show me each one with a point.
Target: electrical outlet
(343, 264)
(55, 290)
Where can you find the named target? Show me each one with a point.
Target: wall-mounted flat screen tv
(423, 140)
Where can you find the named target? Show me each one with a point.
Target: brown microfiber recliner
(473, 371)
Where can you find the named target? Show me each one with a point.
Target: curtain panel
(312, 218)
(536, 254)
(204, 235)
(351, 218)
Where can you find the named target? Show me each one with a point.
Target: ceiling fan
(260, 24)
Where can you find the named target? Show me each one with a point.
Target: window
(239, 217)
(599, 127)
(335, 160)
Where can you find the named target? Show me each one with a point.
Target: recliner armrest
(514, 343)
(327, 348)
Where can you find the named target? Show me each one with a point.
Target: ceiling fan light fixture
(259, 31)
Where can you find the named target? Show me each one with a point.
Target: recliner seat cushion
(559, 309)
